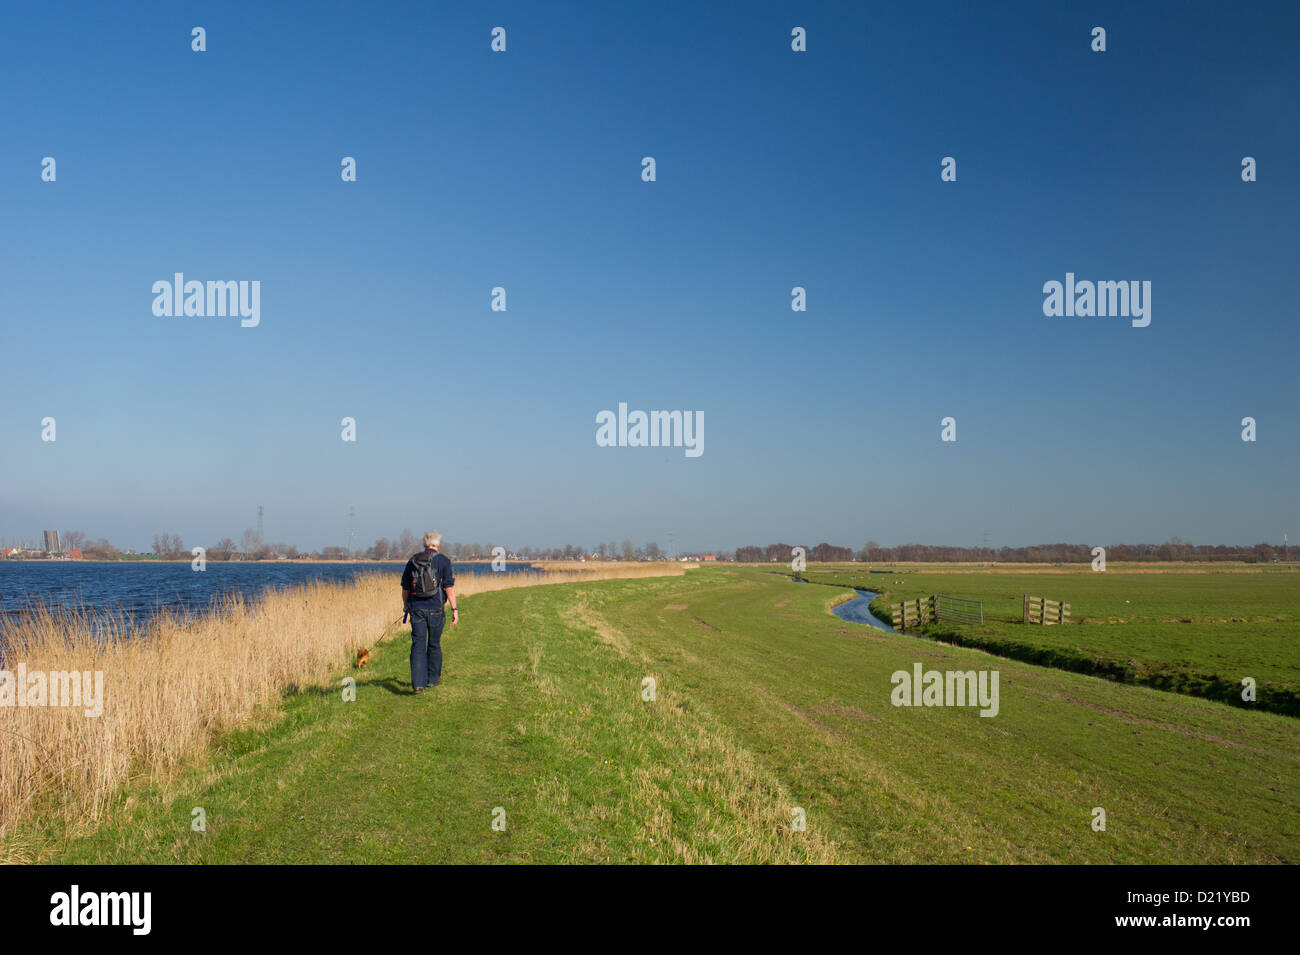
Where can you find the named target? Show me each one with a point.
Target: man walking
(428, 583)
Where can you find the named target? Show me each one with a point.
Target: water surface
(138, 589)
(858, 610)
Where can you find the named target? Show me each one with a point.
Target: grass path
(764, 702)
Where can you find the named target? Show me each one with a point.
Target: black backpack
(424, 581)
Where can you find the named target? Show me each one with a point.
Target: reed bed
(172, 684)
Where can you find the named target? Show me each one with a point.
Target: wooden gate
(1048, 613)
(913, 613)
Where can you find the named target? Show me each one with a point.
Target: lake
(138, 589)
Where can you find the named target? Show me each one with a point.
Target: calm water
(858, 610)
(139, 589)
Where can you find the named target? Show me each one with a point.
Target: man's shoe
(418, 689)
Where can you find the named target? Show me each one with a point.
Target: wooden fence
(913, 613)
(1045, 612)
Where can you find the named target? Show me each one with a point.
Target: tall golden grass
(172, 684)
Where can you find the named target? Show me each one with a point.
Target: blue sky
(775, 169)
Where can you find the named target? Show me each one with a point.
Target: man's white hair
(432, 539)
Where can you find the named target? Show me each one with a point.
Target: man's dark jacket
(441, 567)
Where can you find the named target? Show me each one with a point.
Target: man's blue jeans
(426, 647)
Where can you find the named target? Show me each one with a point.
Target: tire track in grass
(705, 795)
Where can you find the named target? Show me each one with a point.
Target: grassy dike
(765, 702)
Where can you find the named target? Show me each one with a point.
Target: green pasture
(1198, 632)
(766, 708)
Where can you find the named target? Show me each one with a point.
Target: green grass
(1197, 633)
(765, 702)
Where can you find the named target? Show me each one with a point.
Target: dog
(363, 658)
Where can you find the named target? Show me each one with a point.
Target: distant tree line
(408, 544)
(171, 546)
(1174, 549)
(783, 553)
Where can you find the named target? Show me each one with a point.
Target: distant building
(52, 542)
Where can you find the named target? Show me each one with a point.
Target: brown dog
(363, 658)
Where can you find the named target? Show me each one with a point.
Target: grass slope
(765, 702)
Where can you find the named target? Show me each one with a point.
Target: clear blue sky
(775, 169)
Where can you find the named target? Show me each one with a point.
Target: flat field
(1198, 630)
(766, 708)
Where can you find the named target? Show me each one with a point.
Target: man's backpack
(424, 581)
